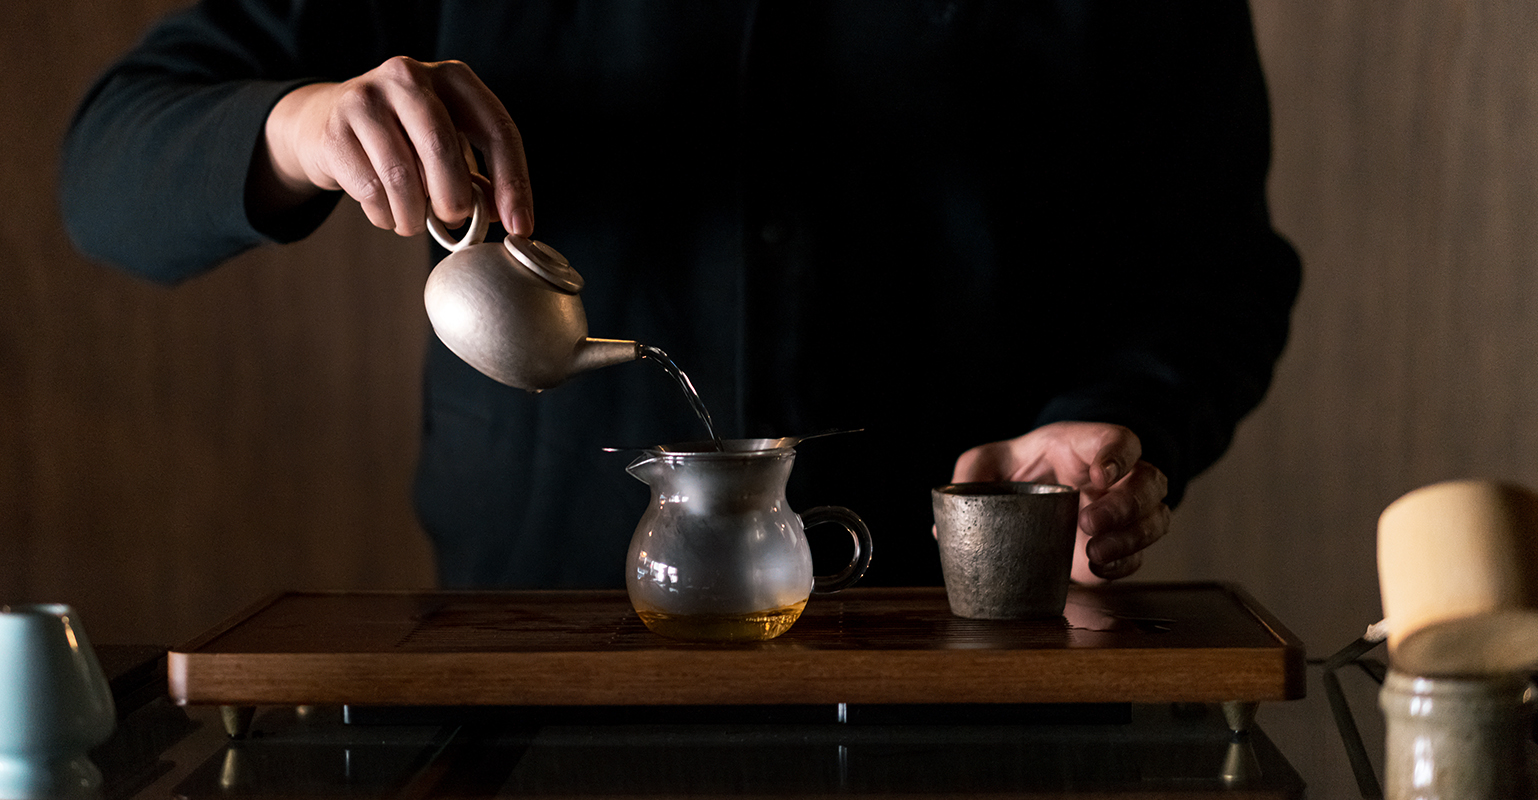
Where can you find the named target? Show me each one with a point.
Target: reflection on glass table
(1156, 750)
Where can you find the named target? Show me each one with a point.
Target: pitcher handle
(825, 584)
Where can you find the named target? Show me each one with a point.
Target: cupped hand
(396, 139)
(1121, 497)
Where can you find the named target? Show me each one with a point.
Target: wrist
(278, 179)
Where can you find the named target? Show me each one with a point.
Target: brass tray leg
(237, 720)
(1240, 764)
(1240, 715)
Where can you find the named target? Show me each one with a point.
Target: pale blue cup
(55, 704)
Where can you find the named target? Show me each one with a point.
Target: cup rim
(1002, 489)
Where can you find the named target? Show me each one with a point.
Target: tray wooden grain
(1184, 642)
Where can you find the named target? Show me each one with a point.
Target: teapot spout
(594, 353)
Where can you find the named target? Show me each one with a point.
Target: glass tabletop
(1152, 750)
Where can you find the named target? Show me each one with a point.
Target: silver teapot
(512, 310)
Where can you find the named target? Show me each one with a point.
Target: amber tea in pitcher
(753, 626)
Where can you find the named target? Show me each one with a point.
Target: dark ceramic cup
(1006, 549)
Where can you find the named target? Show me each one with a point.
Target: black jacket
(943, 222)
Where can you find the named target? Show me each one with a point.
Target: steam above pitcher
(512, 310)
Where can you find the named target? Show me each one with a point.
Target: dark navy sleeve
(1211, 285)
(154, 166)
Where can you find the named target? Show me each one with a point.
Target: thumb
(1114, 455)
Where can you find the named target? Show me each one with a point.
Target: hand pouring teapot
(511, 310)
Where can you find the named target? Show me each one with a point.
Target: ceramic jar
(1466, 738)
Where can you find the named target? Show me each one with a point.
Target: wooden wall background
(168, 456)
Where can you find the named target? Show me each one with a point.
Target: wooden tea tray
(1196, 642)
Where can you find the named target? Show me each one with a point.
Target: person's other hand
(1121, 497)
(392, 138)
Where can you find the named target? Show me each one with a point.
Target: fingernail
(1112, 472)
(523, 222)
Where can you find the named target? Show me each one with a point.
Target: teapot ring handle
(480, 222)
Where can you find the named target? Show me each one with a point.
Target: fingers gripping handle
(480, 222)
(858, 563)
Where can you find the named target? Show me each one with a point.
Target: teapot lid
(546, 262)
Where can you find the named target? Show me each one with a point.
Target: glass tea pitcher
(719, 555)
